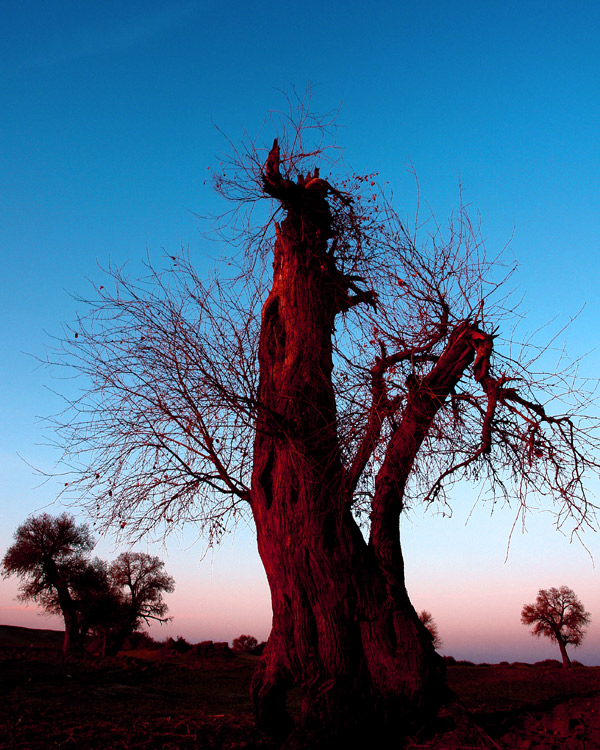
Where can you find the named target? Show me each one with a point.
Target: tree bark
(73, 641)
(343, 629)
(566, 661)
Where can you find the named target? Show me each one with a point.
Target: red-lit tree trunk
(343, 628)
(566, 661)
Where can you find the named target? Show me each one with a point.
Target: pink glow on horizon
(492, 641)
(475, 598)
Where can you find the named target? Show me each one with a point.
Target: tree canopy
(162, 433)
(45, 546)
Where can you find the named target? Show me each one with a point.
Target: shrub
(244, 644)
(554, 663)
(140, 640)
(179, 645)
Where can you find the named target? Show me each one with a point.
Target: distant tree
(100, 603)
(140, 639)
(49, 554)
(559, 615)
(427, 619)
(179, 645)
(244, 643)
(142, 581)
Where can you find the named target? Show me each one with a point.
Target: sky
(114, 114)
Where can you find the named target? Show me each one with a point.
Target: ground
(198, 700)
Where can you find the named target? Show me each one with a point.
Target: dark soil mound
(16, 637)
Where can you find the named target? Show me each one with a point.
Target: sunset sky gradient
(113, 116)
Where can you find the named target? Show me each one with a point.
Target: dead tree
(366, 374)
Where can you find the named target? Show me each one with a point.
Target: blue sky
(111, 118)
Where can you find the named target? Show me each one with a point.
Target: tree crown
(46, 549)
(144, 581)
(163, 433)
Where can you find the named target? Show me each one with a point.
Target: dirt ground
(197, 702)
(527, 706)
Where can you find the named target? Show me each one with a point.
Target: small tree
(49, 554)
(143, 582)
(244, 644)
(427, 619)
(179, 645)
(559, 615)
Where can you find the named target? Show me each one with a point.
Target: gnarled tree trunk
(343, 626)
(73, 640)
